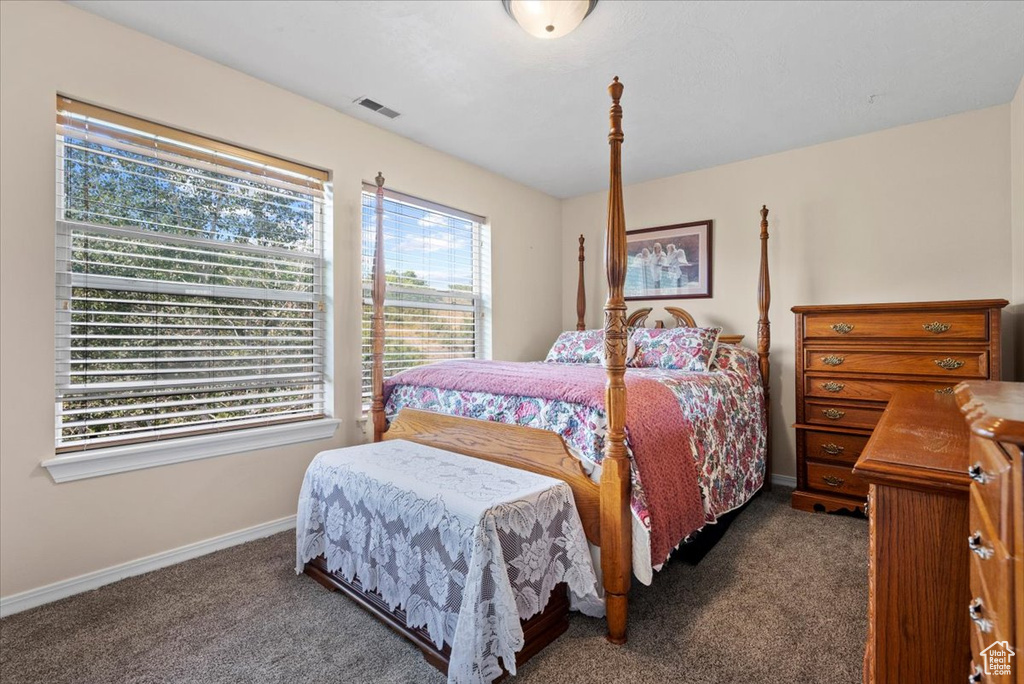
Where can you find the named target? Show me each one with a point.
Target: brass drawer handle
(832, 386)
(832, 449)
(936, 327)
(944, 390)
(976, 543)
(977, 611)
(833, 414)
(978, 474)
(948, 363)
(833, 481)
(832, 360)
(842, 328)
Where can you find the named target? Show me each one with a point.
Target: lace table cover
(466, 547)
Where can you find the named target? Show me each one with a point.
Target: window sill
(98, 462)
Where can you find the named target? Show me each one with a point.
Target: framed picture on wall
(669, 262)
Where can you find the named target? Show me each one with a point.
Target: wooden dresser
(849, 361)
(994, 412)
(915, 464)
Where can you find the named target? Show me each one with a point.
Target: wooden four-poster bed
(604, 506)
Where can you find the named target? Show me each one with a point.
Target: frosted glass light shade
(549, 18)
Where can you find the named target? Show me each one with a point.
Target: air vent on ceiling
(378, 107)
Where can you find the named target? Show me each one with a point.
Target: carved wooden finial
(764, 213)
(380, 179)
(615, 90)
(582, 240)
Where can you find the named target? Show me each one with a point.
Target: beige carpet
(781, 598)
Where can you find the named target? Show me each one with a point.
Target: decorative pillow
(689, 349)
(578, 346)
(732, 357)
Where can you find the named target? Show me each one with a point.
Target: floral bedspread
(725, 408)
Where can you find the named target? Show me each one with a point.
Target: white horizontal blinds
(189, 284)
(433, 309)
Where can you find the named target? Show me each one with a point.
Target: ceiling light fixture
(549, 18)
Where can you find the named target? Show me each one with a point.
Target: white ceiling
(706, 82)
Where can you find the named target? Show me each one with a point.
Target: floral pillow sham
(578, 346)
(733, 357)
(688, 349)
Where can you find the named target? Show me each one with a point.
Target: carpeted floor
(781, 598)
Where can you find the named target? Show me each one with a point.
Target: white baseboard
(16, 603)
(784, 481)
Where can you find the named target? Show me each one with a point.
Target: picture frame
(655, 269)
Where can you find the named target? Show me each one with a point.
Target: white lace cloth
(466, 547)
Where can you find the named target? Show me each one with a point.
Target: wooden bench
(441, 547)
(539, 631)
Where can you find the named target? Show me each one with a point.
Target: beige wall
(920, 212)
(1016, 308)
(51, 532)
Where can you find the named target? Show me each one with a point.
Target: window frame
(90, 461)
(481, 295)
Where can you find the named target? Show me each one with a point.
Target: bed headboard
(683, 319)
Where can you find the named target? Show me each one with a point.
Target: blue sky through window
(438, 248)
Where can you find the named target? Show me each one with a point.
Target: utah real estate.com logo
(997, 659)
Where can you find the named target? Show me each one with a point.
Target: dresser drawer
(835, 479)
(976, 672)
(942, 364)
(839, 414)
(913, 325)
(986, 624)
(991, 486)
(834, 446)
(866, 388)
(991, 568)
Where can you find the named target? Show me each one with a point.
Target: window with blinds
(436, 280)
(189, 283)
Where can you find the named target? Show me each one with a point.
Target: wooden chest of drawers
(918, 575)
(994, 412)
(851, 358)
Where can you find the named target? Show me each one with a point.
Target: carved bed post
(616, 530)
(581, 294)
(377, 321)
(764, 342)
